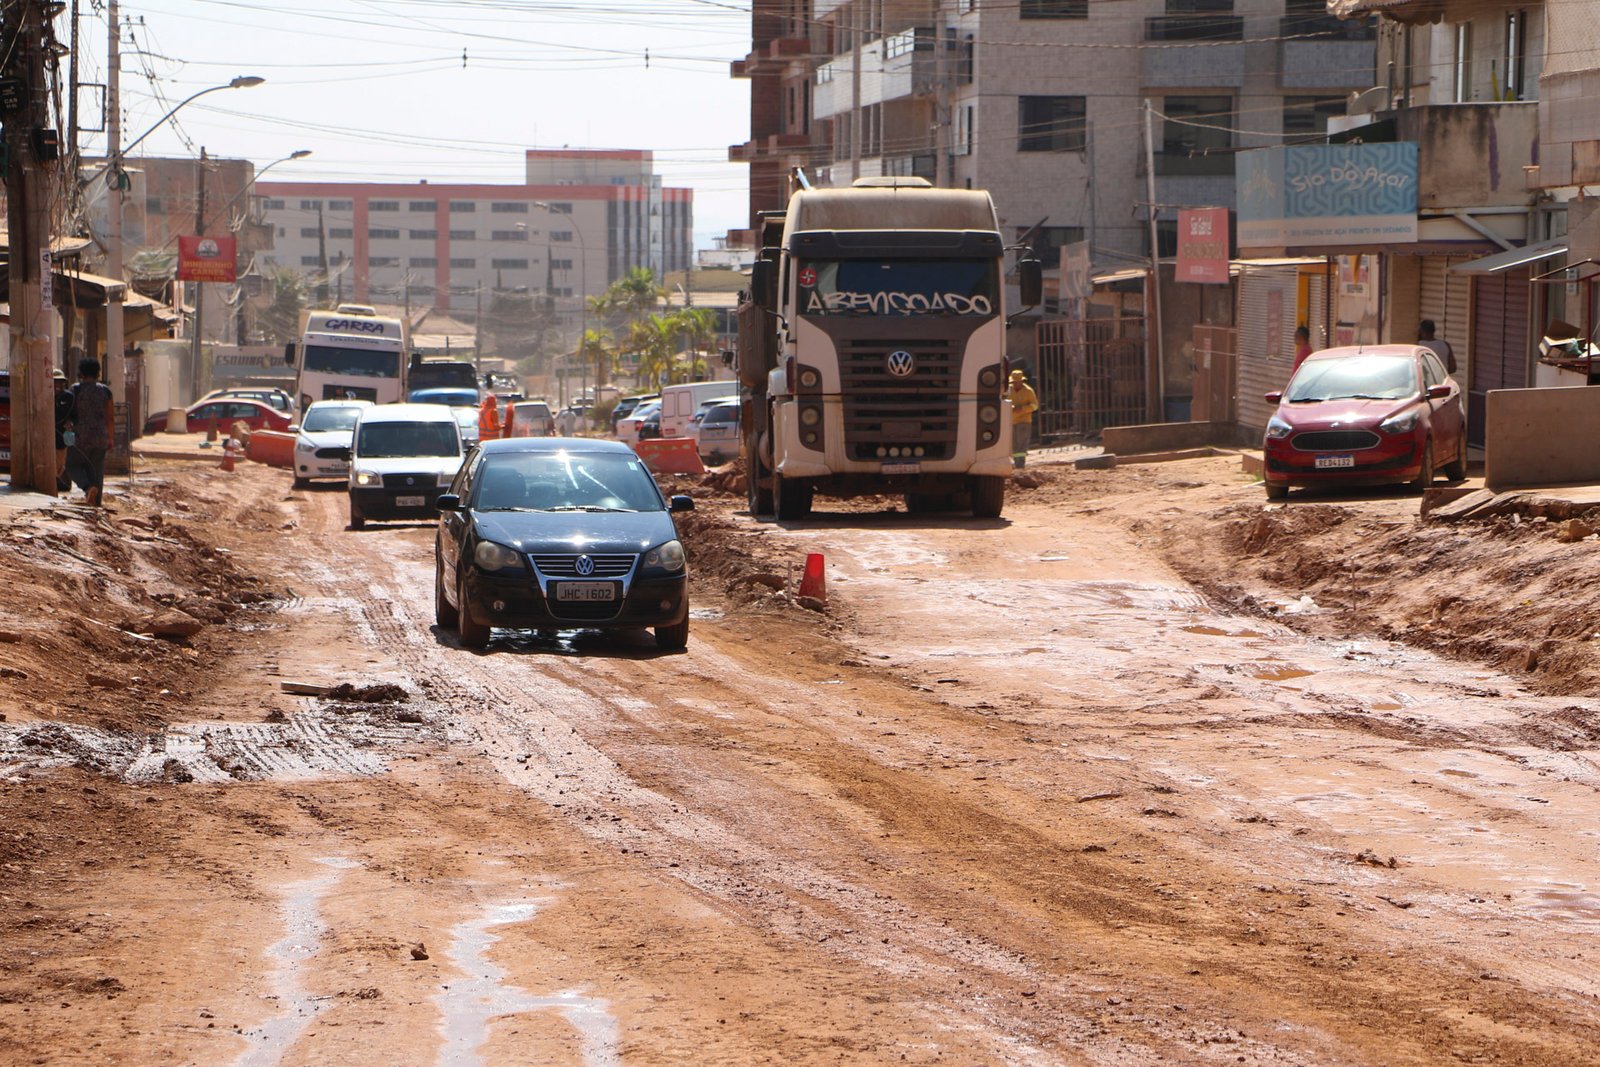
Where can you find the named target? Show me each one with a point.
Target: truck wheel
(474, 634)
(760, 496)
(443, 613)
(791, 499)
(357, 520)
(988, 496)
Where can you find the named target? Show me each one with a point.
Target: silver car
(717, 434)
(322, 437)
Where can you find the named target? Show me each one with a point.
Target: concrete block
(1541, 437)
(1253, 464)
(1103, 462)
(1164, 436)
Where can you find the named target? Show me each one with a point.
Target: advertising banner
(1203, 245)
(1320, 195)
(1075, 271)
(207, 259)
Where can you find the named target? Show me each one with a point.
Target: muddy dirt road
(1030, 792)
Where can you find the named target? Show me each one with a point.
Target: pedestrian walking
(63, 413)
(1024, 402)
(89, 438)
(1302, 347)
(489, 418)
(1438, 345)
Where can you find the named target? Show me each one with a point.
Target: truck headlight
(368, 478)
(667, 557)
(492, 557)
(989, 413)
(809, 378)
(1277, 429)
(810, 416)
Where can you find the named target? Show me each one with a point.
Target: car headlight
(445, 478)
(1404, 422)
(1277, 429)
(302, 445)
(492, 557)
(368, 478)
(667, 557)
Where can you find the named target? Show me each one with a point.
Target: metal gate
(1090, 376)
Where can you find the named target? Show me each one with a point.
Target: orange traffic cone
(812, 582)
(227, 454)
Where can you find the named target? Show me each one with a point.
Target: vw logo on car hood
(584, 566)
(901, 363)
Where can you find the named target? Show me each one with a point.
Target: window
(383, 205)
(1050, 123)
(310, 205)
(274, 205)
(1048, 241)
(560, 236)
(463, 207)
(1196, 135)
(423, 235)
(310, 231)
(383, 261)
(561, 264)
(1307, 116)
(341, 205)
(344, 232)
(964, 118)
(311, 261)
(561, 208)
(463, 235)
(383, 234)
(1461, 69)
(1055, 9)
(464, 264)
(1516, 53)
(423, 261)
(283, 231)
(516, 207)
(509, 264)
(508, 235)
(421, 205)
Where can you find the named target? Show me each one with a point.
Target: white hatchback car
(321, 438)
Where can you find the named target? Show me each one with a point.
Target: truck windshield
(352, 362)
(898, 287)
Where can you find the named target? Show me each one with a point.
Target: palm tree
(656, 341)
(697, 327)
(596, 348)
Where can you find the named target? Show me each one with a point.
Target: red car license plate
(1334, 462)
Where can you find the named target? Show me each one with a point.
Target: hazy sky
(378, 89)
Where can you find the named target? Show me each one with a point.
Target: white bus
(349, 354)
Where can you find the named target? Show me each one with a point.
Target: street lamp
(118, 182)
(199, 301)
(583, 284)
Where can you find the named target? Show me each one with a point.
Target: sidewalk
(181, 446)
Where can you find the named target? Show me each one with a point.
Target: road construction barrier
(813, 582)
(271, 447)
(670, 455)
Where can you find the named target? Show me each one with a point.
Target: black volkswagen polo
(541, 533)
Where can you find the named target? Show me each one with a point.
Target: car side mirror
(1273, 398)
(294, 427)
(288, 353)
(448, 502)
(1438, 392)
(764, 282)
(681, 503)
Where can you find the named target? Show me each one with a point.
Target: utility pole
(1154, 402)
(116, 189)
(32, 151)
(199, 287)
(322, 257)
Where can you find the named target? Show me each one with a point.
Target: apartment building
(581, 220)
(1041, 101)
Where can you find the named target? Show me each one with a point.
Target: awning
(1413, 11)
(1516, 257)
(97, 287)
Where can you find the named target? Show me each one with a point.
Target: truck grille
(881, 409)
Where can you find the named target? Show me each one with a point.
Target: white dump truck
(871, 354)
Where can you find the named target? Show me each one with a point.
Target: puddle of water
(1388, 707)
(1285, 675)
(302, 914)
(469, 1004)
(1568, 902)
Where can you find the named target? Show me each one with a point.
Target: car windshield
(322, 420)
(451, 397)
(405, 440)
(646, 411)
(565, 481)
(722, 413)
(1354, 378)
(898, 287)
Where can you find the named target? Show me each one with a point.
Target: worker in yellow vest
(1024, 402)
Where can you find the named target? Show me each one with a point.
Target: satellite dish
(1366, 101)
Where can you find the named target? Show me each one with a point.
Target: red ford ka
(1366, 415)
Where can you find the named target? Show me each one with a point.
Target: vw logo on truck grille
(584, 566)
(901, 363)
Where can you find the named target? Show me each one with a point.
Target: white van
(680, 402)
(402, 457)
